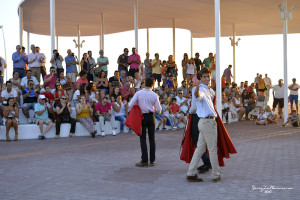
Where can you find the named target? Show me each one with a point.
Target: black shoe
(202, 169)
(93, 134)
(215, 180)
(141, 164)
(152, 164)
(194, 179)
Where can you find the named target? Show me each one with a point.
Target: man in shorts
(156, 71)
(293, 120)
(294, 94)
(71, 66)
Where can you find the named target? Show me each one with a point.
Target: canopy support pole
(136, 24)
(218, 73)
(78, 46)
(148, 40)
(191, 44)
(28, 42)
(21, 25)
(102, 32)
(233, 48)
(52, 25)
(57, 42)
(174, 37)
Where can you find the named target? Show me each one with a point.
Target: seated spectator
(175, 113)
(232, 108)
(80, 92)
(241, 88)
(50, 79)
(42, 116)
(115, 94)
(9, 92)
(16, 83)
(271, 116)
(190, 87)
(223, 82)
(183, 88)
(93, 94)
(123, 77)
(82, 79)
(245, 101)
(102, 95)
(293, 120)
(66, 84)
(63, 111)
(137, 81)
(162, 121)
(227, 90)
(30, 96)
(171, 92)
(102, 82)
(182, 102)
(49, 96)
(126, 91)
(170, 81)
(237, 102)
(58, 93)
(28, 77)
(114, 81)
(83, 115)
(10, 117)
(120, 111)
(251, 88)
(104, 112)
(262, 117)
(234, 89)
(166, 113)
(225, 107)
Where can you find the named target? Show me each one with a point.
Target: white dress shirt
(193, 108)
(36, 63)
(268, 81)
(184, 108)
(24, 81)
(205, 106)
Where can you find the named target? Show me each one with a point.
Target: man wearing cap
(42, 116)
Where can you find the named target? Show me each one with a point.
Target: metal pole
(218, 72)
(78, 46)
(136, 23)
(285, 61)
(4, 51)
(21, 25)
(28, 42)
(233, 47)
(52, 25)
(191, 44)
(102, 32)
(174, 37)
(148, 40)
(57, 42)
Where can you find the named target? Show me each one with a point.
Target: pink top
(81, 81)
(147, 100)
(103, 109)
(52, 81)
(134, 65)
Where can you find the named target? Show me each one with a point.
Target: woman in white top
(120, 111)
(190, 70)
(238, 104)
(16, 81)
(10, 118)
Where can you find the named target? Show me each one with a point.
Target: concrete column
(192, 45)
(218, 69)
(57, 42)
(52, 25)
(148, 40)
(21, 25)
(285, 67)
(28, 42)
(102, 32)
(233, 47)
(174, 37)
(136, 29)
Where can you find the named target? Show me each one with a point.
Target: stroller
(261, 102)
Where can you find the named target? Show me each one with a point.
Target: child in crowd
(163, 70)
(271, 116)
(49, 96)
(175, 112)
(225, 107)
(293, 120)
(232, 108)
(137, 81)
(262, 117)
(170, 81)
(171, 92)
(162, 121)
(166, 114)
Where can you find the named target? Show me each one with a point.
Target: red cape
(225, 145)
(134, 119)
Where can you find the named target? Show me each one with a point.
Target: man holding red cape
(208, 133)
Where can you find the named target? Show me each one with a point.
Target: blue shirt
(31, 98)
(70, 68)
(38, 108)
(205, 106)
(168, 83)
(19, 62)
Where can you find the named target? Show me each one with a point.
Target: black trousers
(72, 121)
(148, 123)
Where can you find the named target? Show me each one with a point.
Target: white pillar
(192, 45)
(52, 25)
(218, 70)
(21, 25)
(285, 61)
(233, 47)
(102, 32)
(148, 40)
(136, 24)
(28, 42)
(78, 46)
(57, 42)
(174, 37)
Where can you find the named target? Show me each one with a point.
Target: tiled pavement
(103, 168)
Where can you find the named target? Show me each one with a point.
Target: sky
(254, 54)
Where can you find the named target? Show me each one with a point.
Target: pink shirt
(134, 65)
(82, 81)
(103, 109)
(52, 81)
(147, 100)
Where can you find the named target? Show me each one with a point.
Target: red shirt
(124, 91)
(49, 96)
(174, 108)
(103, 109)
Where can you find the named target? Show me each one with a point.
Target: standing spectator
(256, 83)
(207, 61)
(64, 110)
(34, 63)
(104, 112)
(113, 82)
(50, 79)
(9, 92)
(28, 77)
(30, 96)
(56, 61)
(120, 111)
(102, 62)
(92, 65)
(268, 82)
(294, 94)
(228, 74)
(171, 68)
(83, 115)
(261, 86)
(102, 82)
(66, 84)
(190, 70)
(85, 66)
(71, 66)
(82, 79)
(123, 62)
(156, 72)
(198, 62)
(19, 59)
(127, 91)
(42, 61)
(278, 95)
(42, 116)
(3, 66)
(49, 96)
(10, 118)
(148, 66)
(16, 83)
(184, 63)
(134, 61)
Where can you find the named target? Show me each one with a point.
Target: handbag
(67, 86)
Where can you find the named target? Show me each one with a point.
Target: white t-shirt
(262, 117)
(279, 92)
(13, 94)
(294, 87)
(76, 93)
(138, 83)
(184, 107)
(190, 69)
(268, 81)
(24, 81)
(269, 114)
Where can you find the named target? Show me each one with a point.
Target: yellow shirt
(156, 67)
(84, 113)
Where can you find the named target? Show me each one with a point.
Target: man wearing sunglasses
(30, 96)
(123, 61)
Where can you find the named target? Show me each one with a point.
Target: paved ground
(103, 168)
